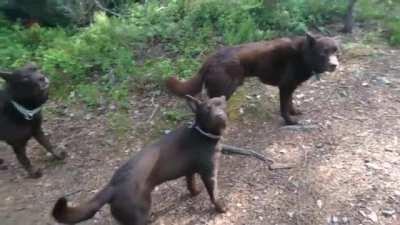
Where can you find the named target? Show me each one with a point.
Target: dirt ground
(346, 154)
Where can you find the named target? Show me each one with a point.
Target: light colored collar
(212, 136)
(27, 113)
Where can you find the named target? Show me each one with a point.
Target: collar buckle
(28, 114)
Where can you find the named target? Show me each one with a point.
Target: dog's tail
(71, 215)
(189, 87)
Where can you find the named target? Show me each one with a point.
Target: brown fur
(284, 62)
(29, 88)
(183, 152)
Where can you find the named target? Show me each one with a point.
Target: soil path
(346, 155)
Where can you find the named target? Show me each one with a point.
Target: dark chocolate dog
(184, 152)
(284, 62)
(26, 90)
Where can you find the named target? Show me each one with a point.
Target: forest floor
(345, 155)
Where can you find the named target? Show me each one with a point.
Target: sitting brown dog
(26, 90)
(183, 152)
(284, 62)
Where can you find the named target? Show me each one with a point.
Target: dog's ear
(192, 102)
(310, 38)
(5, 75)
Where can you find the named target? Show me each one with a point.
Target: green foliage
(383, 12)
(394, 27)
(175, 115)
(103, 62)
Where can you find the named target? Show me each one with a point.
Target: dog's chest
(10, 131)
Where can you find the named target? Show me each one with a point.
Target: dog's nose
(332, 67)
(333, 63)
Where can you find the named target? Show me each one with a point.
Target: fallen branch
(233, 150)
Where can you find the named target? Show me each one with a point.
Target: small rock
(364, 84)
(383, 80)
(388, 212)
(345, 220)
(290, 214)
(374, 166)
(368, 213)
(241, 111)
(319, 145)
(319, 203)
(283, 151)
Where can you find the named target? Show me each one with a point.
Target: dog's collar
(212, 136)
(27, 113)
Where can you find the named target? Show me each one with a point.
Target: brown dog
(284, 62)
(26, 90)
(183, 152)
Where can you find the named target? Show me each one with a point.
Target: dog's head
(211, 114)
(320, 53)
(27, 82)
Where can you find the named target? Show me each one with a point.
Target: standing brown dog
(183, 152)
(26, 90)
(284, 62)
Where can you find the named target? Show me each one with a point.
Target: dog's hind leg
(285, 94)
(44, 141)
(20, 152)
(191, 185)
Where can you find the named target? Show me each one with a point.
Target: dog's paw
(60, 156)
(295, 112)
(220, 207)
(35, 173)
(195, 192)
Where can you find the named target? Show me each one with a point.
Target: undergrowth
(113, 56)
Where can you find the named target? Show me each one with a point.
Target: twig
(154, 110)
(74, 192)
(232, 150)
(98, 4)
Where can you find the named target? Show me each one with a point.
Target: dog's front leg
(285, 97)
(210, 182)
(20, 152)
(44, 141)
(191, 185)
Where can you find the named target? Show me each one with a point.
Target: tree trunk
(349, 17)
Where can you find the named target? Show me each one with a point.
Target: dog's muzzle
(333, 63)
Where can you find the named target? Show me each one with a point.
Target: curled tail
(70, 215)
(189, 87)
